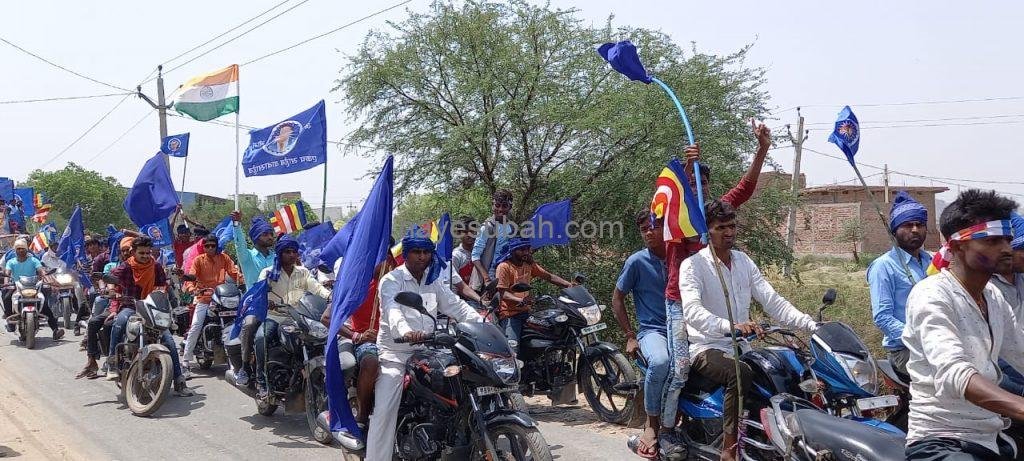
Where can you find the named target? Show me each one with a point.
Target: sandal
(88, 373)
(644, 450)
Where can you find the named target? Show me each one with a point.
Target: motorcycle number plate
(29, 308)
(593, 328)
(181, 310)
(491, 390)
(227, 313)
(872, 403)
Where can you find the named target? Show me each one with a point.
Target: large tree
(101, 197)
(477, 96)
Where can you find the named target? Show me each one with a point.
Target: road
(47, 414)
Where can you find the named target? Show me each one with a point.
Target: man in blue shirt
(643, 278)
(492, 236)
(24, 264)
(252, 261)
(887, 276)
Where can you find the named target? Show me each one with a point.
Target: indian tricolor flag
(209, 96)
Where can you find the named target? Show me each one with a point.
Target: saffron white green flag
(209, 96)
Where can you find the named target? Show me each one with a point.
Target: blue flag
(296, 144)
(159, 232)
(224, 233)
(312, 241)
(152, 197)
(445, 244)
(114, 236)
(253, 302)
(72, 243)
(369, 246)
(175, 145)
(549, 224)
(6, 189)
(338, 244)
(623, 58)
(27, 196)
(846, 134)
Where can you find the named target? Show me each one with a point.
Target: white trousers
(198, 320)
(387, 396)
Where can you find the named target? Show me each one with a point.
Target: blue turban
(510, 247)
(1017, 222)
(286, 242)
(259, 227)
(415, 240)
(906, 209)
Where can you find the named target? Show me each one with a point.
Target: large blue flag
(445, 244)
(549, 224)
(72, 243)
(367, 247)
(175, 145)
(159, 232)
(27, 196)
(296, 144)
(152, 197)
(6, 189)
(312, 241)
(846, 134)
(253, 302)
(336, 248)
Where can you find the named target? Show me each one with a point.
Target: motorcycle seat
(823, 431)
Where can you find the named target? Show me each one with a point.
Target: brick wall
(817, 226)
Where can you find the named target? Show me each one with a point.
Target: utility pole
(798, 143)
(160, 106)
(885, 181)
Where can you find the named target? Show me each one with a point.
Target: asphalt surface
(219, 422)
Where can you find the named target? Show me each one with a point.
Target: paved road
(220, 422)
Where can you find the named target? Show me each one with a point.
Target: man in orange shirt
(516, 265)
(211, 269)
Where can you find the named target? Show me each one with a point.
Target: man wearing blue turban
(252, 261)
(516, 265)
(1011, 284)
(421, 274)
(887, 276)
(289, 282)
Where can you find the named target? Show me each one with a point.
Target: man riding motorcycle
(516, 265)
(252, 261)
(26, 265)
(211, 269)
(420, 274)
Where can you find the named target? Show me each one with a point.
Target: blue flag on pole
(338, 244)
(253, 302)
(72, 243)
(312, 241)
(370, 244)
(152, 197)
(549, 224)
(224, 233)
(175, 145)
(296, 144)
(159, 232)
(846, 134)
(624, 59)
(27, 196)
(445, 243)
(6, 189)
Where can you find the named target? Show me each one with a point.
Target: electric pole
(885, 181)
(160, 106)
(798, 143)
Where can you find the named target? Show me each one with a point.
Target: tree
(852, 232)
(101, 197)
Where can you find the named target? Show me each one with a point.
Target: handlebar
(401, 340)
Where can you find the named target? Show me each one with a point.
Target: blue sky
(819, 55)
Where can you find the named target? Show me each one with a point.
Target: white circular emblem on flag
(283, 138)
(174, 144)
(155, 233)
(206, 92)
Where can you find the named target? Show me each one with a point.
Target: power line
(87, 131)
(944, 119)
(63, 98)
(303, 42)
(225, 33)
(911, 103)
(105, 149)
(257, 26)
(62, 67)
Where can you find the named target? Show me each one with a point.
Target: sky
(884, 59)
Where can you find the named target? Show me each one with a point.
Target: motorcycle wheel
(66, 305)
(148, 384)
(316, 402)
(516, 443)
(30, 330)
(609, 370)
(518, 403)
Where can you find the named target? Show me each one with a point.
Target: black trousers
(948, 449)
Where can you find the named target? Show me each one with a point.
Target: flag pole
(689, 136)
(184, 168)
(885, 223)
(323, 203)
(238, 147)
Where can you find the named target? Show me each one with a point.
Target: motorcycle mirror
(410, 299)
(520, 288)
(830, 297)
(51, 271)
(579, 278)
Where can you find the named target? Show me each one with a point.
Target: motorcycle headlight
(505, 367)
(64, 279)
(591, 313)
(29, 293)
(561, 318)
(860, 371)
(317, 329)
(133, 330)
(229, 303)
(161, 319)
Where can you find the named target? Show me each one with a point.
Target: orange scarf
(144, 276)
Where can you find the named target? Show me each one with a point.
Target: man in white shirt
(958, 326)
(420, 274)
(707, 315)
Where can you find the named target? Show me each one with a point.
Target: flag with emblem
(209, 96)
(289, 218)
(42, 206)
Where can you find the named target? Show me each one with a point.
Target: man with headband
(289, 282)
(516, 265)
(887, 276)
(420, 274)
(958, 325)
(252, 262)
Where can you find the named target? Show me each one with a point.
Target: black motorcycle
(456, 405)
(220, 317)
(560, 348)
(295, 368)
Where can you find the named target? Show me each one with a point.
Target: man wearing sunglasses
(211, 269)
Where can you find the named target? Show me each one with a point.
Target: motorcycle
(296, 369)
(145, 364)
(456, 404)
(210, 348)
(65, 303)
(27, 299)
(561, 349)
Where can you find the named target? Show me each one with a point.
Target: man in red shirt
(675, 254)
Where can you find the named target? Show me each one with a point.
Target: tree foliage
(101, 197)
